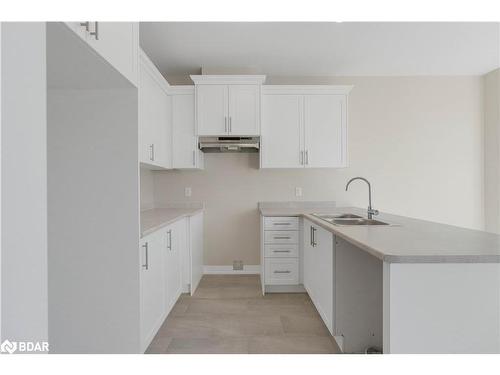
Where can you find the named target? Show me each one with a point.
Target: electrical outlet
(238, 265)
(298, 191)
(187, 192)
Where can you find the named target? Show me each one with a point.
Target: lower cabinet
(319, 258)
(152, 279)
(280, 252)
(175, 244)
(171, 263)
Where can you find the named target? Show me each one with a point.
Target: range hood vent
(229, 144)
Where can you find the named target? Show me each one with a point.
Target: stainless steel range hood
(229, 144)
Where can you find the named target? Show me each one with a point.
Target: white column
(24, 182)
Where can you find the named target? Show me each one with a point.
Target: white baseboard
(340, 342)
(228, 270)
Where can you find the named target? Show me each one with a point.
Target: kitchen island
(410, 287)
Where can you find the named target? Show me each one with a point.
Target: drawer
(281, 223)
(281, 251)
(281, 271)
(281, 237)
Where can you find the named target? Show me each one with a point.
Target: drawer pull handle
(282, 271)
(282, 223)
(281, 251)
(282, 237)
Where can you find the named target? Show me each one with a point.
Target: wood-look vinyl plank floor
(228, 315)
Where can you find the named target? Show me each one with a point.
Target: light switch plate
(187, 192)
(298, 191)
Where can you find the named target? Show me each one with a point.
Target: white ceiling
(318, 49)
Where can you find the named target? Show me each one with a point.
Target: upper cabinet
(116, 42)
(304, 126)
(155, 123)
(185, 152)
(228, 105)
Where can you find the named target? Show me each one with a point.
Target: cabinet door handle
(301, 157)
(95, 33)
(307, 157)
(281, 237)
(282, 224)
(311, 235)
(230, 124)
(86, 25)
(194, 158)
(169, 243)
(146, 265)
(314, 243)
(225, 124)
(282, 271)
(152, 152)
(281, 251)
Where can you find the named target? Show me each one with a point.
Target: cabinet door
(154, 120)
(184, 142)
(322, 292)
(325, 126)
(211, 109)
(196, 249)
(173, 243)
(308, 264)
(244, 110)
(282, 131)
(152, 286)
(118, 43)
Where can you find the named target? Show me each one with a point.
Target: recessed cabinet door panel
(175, 240)
(152, 286)
(211, 109)
(323, 267)
(244, 109)
(184, 150)
(147, 112)
(324, 130)
(282, 131)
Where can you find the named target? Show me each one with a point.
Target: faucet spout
(370, 210)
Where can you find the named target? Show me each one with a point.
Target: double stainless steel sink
(349, 219)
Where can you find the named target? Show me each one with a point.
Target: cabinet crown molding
(206, 79)
(306, 89)
(181, 90)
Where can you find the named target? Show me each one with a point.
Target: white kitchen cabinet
(152, 280)
(318, 270)
(282, 140)
(304, 126)
(185, 152)
(228, 105)
(116, 42)
(195, 250)
(175, 240)
(324, 126)
(155, 126)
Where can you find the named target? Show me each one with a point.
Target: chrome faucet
(371, 211)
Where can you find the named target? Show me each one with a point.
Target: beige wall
(419, 140)
(491, 151)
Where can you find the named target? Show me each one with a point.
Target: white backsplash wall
(147, 189)
(419, 140)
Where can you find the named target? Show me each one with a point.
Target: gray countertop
(157, 218)
(407, 240)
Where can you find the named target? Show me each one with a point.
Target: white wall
(24, 178)
(93, 202)
(492, 151)
(419, 140)
(147, 189)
